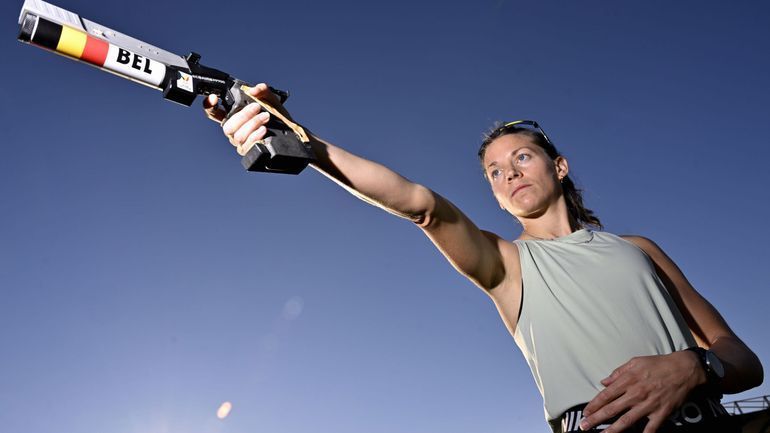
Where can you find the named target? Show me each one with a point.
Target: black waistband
(694, 412)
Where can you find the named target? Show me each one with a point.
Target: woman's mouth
(519, 188)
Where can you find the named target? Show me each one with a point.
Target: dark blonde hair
(573, 195)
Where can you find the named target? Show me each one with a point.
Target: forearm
(369, 181)
(742, 367)
(743, 370)
(372, 182)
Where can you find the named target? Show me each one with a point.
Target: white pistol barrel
(284, 149)
(64, 32)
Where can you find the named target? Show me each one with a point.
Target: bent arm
(743, 370)
(654, 386)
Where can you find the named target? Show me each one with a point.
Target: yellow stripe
(71, 42)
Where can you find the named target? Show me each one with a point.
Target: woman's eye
(522, 157)
(494, 174)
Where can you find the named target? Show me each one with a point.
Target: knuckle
(229, 127)
(607, 412)
(241, 136)
(238, 135)
(623, 421)
(243, 150)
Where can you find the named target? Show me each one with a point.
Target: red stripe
(95, 51)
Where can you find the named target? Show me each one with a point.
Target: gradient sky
(146, 278)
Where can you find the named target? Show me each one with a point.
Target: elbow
(755, 373)
(751, 379)
(758, 376)
(428, 210)
(423, 206)
(750, 376)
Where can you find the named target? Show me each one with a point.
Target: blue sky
(146, 278)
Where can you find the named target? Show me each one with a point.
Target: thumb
(262, 91)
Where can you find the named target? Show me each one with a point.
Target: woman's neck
(554, 223)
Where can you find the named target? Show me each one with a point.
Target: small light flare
(293, 308)
(224, 410)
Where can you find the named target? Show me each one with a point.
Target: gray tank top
(591, 301)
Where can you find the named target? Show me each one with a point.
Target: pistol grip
(285, 147)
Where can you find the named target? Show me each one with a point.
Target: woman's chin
(529, 213)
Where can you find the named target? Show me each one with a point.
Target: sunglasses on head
(524, 124)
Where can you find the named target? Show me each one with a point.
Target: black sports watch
(713, 367)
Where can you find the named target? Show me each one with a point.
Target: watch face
(715, 364)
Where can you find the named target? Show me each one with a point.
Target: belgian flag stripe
(95, 51)
(72, 42)
(47, 34)
(79, 45)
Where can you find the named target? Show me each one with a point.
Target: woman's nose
(512, 173)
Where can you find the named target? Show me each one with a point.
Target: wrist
(710, 370)
(698, 375)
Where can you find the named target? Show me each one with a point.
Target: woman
(605, 322)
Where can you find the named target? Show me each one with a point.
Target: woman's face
(524, 179)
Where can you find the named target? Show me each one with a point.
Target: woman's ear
(561, 166)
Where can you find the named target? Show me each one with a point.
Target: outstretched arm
(474, 253)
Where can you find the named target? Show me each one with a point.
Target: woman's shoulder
(648, 247)
(506, 247)
(644, 243)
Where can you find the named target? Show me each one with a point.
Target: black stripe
(47, 34)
